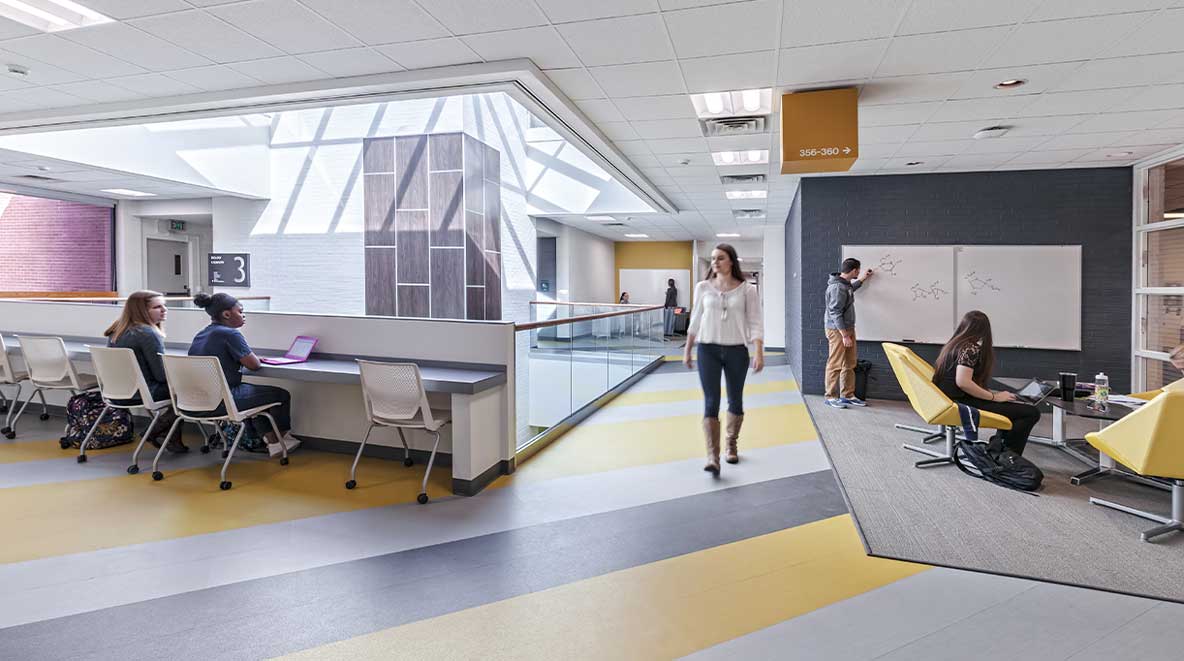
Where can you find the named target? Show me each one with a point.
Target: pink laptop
(298, 353)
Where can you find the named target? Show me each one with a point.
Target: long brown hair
(736, 272)
(135, 313)
(975, 327)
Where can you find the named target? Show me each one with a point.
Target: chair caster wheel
(82, 459)
(283, 461)
(44, 417)
(225, 453)
(5, 430)
(157, 476)
(10, 435)
(205, 449)
(132, 470)
(408, 462)
(423, 499)
(225, 486)
(351, 484)
(65, 445)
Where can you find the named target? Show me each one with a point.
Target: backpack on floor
(992, 462)
(251, 441)
(81, 412)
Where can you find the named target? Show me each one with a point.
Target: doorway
(168, 267)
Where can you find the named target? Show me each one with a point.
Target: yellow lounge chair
(1150, 442)
(916, 379)
(1152, 394)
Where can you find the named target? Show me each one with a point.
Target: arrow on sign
(846, 150)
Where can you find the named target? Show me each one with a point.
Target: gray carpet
(944, 517)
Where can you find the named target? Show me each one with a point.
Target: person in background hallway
(840, 334)
(223, 340)
(624, 298)
(140, 327)
(963, 370)
(725, 319)
(668, 308)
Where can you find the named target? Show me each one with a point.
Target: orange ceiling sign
(819, 131)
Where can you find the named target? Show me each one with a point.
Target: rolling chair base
(1170, 524)
(939, 458)
(931, 435)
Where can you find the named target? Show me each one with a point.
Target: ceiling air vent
(748, 214)
(742, 179)
(612, 224)
(720, 126)
(35, 177)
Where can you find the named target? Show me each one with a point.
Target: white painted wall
(138, 221)
(773, 286)
(586, 267)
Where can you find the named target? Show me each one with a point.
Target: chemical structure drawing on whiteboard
(932, 291)
(978, 283)
(888, 265)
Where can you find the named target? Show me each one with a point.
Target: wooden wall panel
(474, 252)
(378, 155)
(413, 247)
(447, 221)
(493, 286)
(411, 166)
(380, 281)
(448, 283)
(379, 193)
(414, 301)
(493, 212)
(446, 151)
(474, 175)
(475, 299)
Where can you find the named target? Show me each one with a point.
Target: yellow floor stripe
(597, 448)
(688, 394)
(13, 452)
(660, 610)
(69, 517)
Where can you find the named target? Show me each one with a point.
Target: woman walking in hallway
(726, 318)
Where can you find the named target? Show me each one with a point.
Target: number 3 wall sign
(229, 269)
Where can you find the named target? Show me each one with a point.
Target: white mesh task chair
(11, 376)
(394, 397)
(49, 369)
(120, 379)
(198, 388)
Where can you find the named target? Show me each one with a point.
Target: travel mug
(1068, 385)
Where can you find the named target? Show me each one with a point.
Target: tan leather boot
(733, 436)
(711, 434)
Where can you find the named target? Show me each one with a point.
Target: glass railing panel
(549, 383)
(589, 359)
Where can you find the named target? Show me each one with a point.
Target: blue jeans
(732, 361)
(250, 395)
(668, 321)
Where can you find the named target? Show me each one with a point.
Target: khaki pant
(840, 365)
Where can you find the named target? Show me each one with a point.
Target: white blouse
(730, 318)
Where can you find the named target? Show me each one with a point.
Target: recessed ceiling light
(735, 102)
(991, 132)
(18, 70)
(1010, 84)
(747, 194)
(1120, 154)
(601, 219)
(912, 163)
(128, 192)
(51, 15)
(746, 157)
(637, 236)
(748, 214)
(727, 235)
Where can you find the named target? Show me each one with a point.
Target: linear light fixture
(51, 15)
(735, 102)
(727, 235)
(601, 219)
(128, 192)
(744, 157)
(637, 236)
(747, 194)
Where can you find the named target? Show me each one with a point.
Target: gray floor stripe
(266, 617)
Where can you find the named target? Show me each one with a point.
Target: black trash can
(862, 368)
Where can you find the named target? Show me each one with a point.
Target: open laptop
(1035, 391)
(298, 353)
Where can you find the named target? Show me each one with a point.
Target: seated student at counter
(140, 327)
(963, 371)
(222, 340)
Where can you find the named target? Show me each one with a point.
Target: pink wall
(51, 245)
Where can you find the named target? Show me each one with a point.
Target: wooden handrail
(65, 297)
(57, 294)
(587, 317)
(606, 305)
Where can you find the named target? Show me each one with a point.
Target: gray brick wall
(793, 284)
(1091, 207)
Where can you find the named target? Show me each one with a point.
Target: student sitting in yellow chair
(963, 370)
(1177, 358)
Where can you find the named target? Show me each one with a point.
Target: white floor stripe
(689, 407)
(690, 379)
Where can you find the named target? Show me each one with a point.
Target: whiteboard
(1031, 293)
(911, 295)
(648, 286)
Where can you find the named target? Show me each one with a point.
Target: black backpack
(992, 462)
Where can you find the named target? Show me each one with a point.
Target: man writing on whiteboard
(840, 334)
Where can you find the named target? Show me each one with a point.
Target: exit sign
(176, 226)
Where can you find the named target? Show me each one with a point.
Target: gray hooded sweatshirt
(840, 302)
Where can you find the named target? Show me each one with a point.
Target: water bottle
(1101, 388)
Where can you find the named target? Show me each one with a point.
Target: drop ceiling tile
(1160, 35)
(577, 84)
(287, 25)
(351, 62)
(473, 16)
(619, 131)
(878, 150)
(926, 164)
(59, 52)
(739, 142)
(975, 161)
(948, 130)
(1063, 41)
(1121, 72)
(1005, 145)
(430, 53)
(207, 36)
(633, 147)
(1065, 103)
(566, 11)
(39, 72)
(218, 77)
(1124, 154)
(963, 50)
(676, 145)
(601, 110)
(10, 29)
(1159, 97)
(38, 97)
(730, 72)
(1169, 136)
(644, 79)
(124, 9)
(126, 42)
(722, 29)
(97, 91)
(1040, 77)
(1053, 125)
(806, 22)
(934, 148)
(968, 109)
(668, 128)
(896, 114)
(278, 70)
(908, 89)
(674, 106)
(1086, 140)
(12, 83)
(154, 84)
(1049, 156)
(831, 62)
(885, 134)
(542, 45)
(941, 15)
(380, 21)
(1125, 121)
(619, 40)
(1054, 9)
